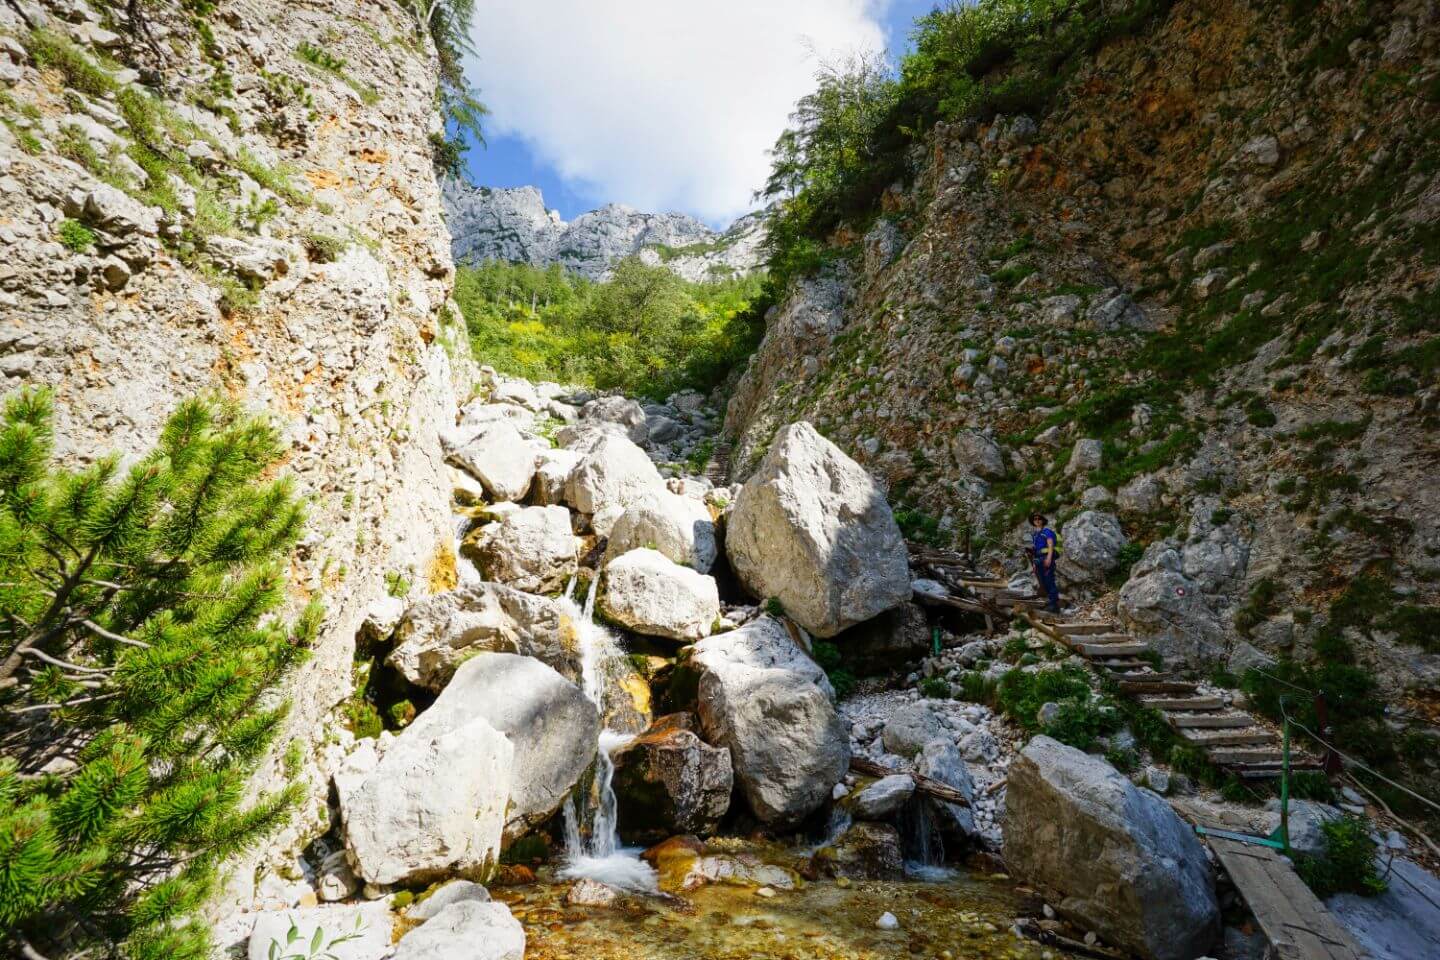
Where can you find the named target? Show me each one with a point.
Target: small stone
(887, 921)
(766, 892)
(1049, 912)
(842, 882)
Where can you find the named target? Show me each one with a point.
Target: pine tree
(139, 650)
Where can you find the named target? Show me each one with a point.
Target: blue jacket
(1044, 544)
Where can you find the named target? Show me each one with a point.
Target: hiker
(1045, 550)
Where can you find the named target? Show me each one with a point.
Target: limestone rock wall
(289, 251)
(1210, 254)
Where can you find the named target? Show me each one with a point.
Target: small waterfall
(596, 854)
(924, 848)
(464, 570)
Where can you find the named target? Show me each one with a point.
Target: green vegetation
(935, 688)
(1348, 864)
(827, 655)
(848, 140)
(645, 330)
(323, 60)
(1082, 718)
(140, 645)
(447, 22)
(74, 235)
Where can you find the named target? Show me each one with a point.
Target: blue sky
(546, 130)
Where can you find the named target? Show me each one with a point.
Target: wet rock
(866, 851)
(1111, 857)
(883, 798)
(765, 699)
(438, 632)
(371, 923)
(887, 921)
(812, 529)
(501, 458)
(532, 549)
(554, 728)
(646, 592)
(469, 930)
(435, 803)
(743, 869)
(678, 526)
(941, 761)
(1400, 923)
(670, 780)
(590, 893)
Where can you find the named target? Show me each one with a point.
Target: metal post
(935, 641)
(1331, 763)
(1284, 780)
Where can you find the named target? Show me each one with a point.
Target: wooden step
(1238, 739)
(1223, 755)
(1186, 703)
(1126, 663)
(1107, 638)
(1079, 629)
(1209, 721)
(1138, 686)
(1111, 649)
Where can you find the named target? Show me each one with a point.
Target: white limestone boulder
(435, 804)
(678, 526)
(612, 472)
(369, 925)
(469, 930)
(501, 458)
(621, 411)
(531, 549)
(812, 529)
(1091, 544)
(1109, 856)
(552, 725)
(436, 633)
(649, 593)
(765, 699)
(552, 469)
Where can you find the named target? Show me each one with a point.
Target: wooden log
(926, 785)
(1209, 721)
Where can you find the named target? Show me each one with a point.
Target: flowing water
(592, 842)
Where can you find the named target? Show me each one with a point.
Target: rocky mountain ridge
(513, 224)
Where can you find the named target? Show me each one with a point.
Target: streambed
(962, 916)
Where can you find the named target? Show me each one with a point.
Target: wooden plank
(1248, 737)
(1209, 721)
(1296, 923)
(1111, 649)
(1133, 687)
(1185, 703)
(1107, 638)
(1078, 629)
(1126, 664)
(1224, 756)
(927, 785)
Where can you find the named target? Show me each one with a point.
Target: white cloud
(662, 104)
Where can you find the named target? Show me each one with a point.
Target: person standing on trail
(1045, 550)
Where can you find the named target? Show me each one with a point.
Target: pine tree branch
(95, 628)
(62, 664)
(68, 703)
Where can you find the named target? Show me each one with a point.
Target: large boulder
(650, 594)
(866, 851)
(765, 699)
(551, 723)
(1160, 604)
(613, 472)
(1108, 855)
(812, 529)
(437, 633)
(677, 526)
(625, 413)
(909, 729)
(369, 927)
(552, 469)
(468, 930)
(1091, 545)
(669, 781)
(434, 805)
(501, 458)
(531, 549)
(883, 798)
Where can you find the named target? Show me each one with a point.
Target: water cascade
(597, 854)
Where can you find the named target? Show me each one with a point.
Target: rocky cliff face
(514, 224)
(1199, 295)
(242, 203)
